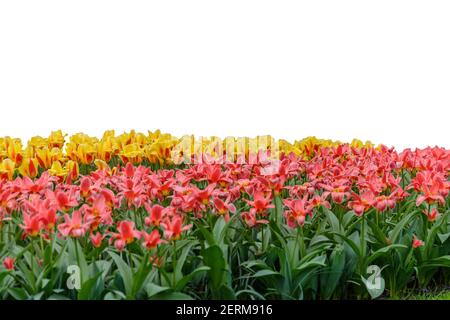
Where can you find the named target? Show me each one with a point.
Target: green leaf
(348, 217)
(251, 292)
(213, 258)
(3, 275)
(227, 293)
(432, 234)
(18, 293)
(77, 257)
(58, 297)
(443, 261)
(333, 220)
(182, 283)
(400, 226)
(351, 243)
(384, 251)
(206, 234)
(443, 236)
(318, 239)
(331, 279)
(172, 296)
(124, 271)
(265, 273)
(313, 263)
(141, 275)
(115, 295)
(218, 229)
(86, 291)
(379, 235)
(186, 248)
(153, 289)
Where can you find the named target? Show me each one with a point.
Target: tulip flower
(126, 235)
(29, 168)
(151, 240)
(431, 214)
(75, 226)
(173, 227)
(7, 169)
(96, 239)
(8, 263)
(32, 224)
(156, 214)
(251, 220)
(224, 208)
(57, 170)
(416, 243)
(260, 203)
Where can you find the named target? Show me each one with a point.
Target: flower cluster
(63, 156)
(115, 208)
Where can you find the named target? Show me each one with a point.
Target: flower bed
(333, 221)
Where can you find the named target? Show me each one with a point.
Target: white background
(377, 70)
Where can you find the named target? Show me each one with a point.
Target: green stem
(362, 244)
(302, 242)
(174, 262)
(78, 260)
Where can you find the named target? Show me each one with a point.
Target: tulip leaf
(153, 289)
(265, 273)
(182, 283)
(171, 296)
(124, 271)
(213, 258)
(384, 250)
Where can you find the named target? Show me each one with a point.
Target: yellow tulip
(106, 149)
(56, 139)
(7, 168)
(29, 168)
(46, 157)
(132, 153)
(73, 169)
(14, 151)
(86, 153)
(57, 170)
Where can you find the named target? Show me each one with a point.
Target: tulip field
(117, 217)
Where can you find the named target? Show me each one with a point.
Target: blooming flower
(156, 214)
(96, 239)
(8, 263)
(173, 227)
(151, 240)
(431, 214)
(74, 226)
(126, 235)
(251, 220)
(416, 243)
(260, 202)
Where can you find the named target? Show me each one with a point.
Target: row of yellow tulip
(63, 158)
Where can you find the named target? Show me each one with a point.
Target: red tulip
(156, 214)
(75, 226)
(416, 243)
(151, 240)
(97, 239)
(8, 263)
(173, 227)
(127, 234)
